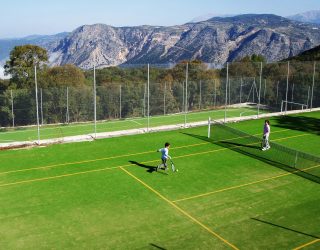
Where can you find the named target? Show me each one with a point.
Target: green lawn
(57, 131)
(106, 195)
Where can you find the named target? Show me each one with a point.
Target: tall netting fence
(146, 96)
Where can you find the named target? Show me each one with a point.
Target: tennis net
(288, 159)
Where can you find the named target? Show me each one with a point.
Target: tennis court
(107, 194)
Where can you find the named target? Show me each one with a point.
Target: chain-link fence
(145, 96)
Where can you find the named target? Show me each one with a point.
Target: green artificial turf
(57, 131)
(105, 194)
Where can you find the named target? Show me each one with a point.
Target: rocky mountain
(308, 55)
(307, 17)
(216, 40)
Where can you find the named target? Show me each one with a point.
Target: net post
(41, 109)
(296, 160)
(209, 127)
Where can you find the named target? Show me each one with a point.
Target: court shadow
(157, 247)
(263, 156)
(300, 123)
(286, 228)
(150, 169)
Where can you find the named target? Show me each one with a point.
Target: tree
(21, 64)
(66, 75)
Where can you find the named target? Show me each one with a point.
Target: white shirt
(164, 153)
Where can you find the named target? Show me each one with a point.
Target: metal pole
(120, 107)
(41, 109)
(12, 113)
(67, 115)
(226, 102)
(259, 98)
(265, 89)
(277, 92)
(200, 96)
(215, 93)
(229, 92)
(308, 97)
(186, 97)
(183, 105)
(95, 101)
(313, 78)
(292, 90)
(286, 107)
(164, 98)
(148, 105)
(37, 105)
(240, 90)
(144, 100)
(209, 127)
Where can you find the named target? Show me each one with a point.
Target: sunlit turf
(105, 194)
(63, 130)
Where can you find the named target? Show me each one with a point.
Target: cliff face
(216, 41)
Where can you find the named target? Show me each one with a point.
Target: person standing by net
(266, 134)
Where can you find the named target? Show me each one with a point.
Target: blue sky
(20, 18)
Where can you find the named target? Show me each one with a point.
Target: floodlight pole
(37, 105)
(95, 101)
(12, 114)
(286, 107)
(313, 79)
(260, 88)
(226, 102)
(148, 96)
(186, 97)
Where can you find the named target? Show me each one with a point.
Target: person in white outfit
(164, 156)
(266, 134)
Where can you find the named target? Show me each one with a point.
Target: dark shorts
(164, 161)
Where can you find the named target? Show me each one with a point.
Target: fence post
(164, 98)
(67, 114)
(12, 113)
(240, 90)
(95, 101)
(226, 101)
(215, 93)
(313, 79)
(37, 104)
(148, 96)
(286, 106)
(209, 127)
(186, 97)
(41, 109)
(259, 98)
(200, 97)
(120, 97)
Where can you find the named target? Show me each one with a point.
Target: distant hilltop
(217, 40)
